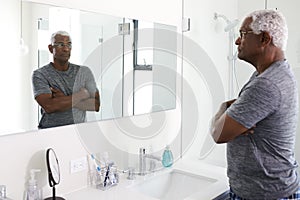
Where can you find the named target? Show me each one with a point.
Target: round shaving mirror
(53, 172)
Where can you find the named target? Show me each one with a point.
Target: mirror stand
(53, 173)
(54, 197)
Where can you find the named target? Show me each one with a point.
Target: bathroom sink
(173, 185)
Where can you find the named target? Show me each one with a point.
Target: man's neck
(261, 68)
(269, 59)
(61, 66)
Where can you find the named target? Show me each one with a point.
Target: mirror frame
(50, 156)
(53, 172)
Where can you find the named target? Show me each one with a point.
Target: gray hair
(274, 23)
(63, 33)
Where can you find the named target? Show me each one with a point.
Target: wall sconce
(23, 48)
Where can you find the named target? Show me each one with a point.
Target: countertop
(123, 191)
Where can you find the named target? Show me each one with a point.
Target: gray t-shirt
(69, 82)
(262, 165)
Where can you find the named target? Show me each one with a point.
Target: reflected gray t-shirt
(262, 165)
(69, 82)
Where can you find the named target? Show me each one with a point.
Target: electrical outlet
(78, 165)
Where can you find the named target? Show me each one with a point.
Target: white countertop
(123, 191)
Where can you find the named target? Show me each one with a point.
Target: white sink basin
(173, 185)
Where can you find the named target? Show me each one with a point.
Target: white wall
(22, 152)
(10, 34)
(206, 78)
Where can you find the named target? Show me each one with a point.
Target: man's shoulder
(79, 68)
(44, 68)
(279, 74)
(72, 65)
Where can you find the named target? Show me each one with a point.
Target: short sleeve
(91, 83)
(89, 80)
(40, 84)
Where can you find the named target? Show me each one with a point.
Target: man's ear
(266, 38)
(50, 47)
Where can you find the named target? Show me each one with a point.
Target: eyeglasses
(61, 45)
(243, 33)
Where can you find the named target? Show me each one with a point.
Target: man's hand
(56, 92)
(84, 93)
(91, 104)
(224, 128)
(228, 103)
(249, 131)
(57, 101)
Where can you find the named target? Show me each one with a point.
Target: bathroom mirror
(53, 172)
(104, 43)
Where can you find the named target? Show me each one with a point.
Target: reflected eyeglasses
(61, 45)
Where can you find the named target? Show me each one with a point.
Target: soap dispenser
(167, 157)
(3, 193)
(33, 192)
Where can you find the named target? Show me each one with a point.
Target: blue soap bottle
(167, 157)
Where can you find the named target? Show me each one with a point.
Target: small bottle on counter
(167, 157)
(3, 193)
(33, 192)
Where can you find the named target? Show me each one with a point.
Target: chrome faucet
(142, 160)
(131, 173)
(2, 192)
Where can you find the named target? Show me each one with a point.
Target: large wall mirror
(134, 62)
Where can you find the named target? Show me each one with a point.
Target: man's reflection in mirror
(65, 91)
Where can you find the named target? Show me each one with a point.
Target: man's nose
(238, 41)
